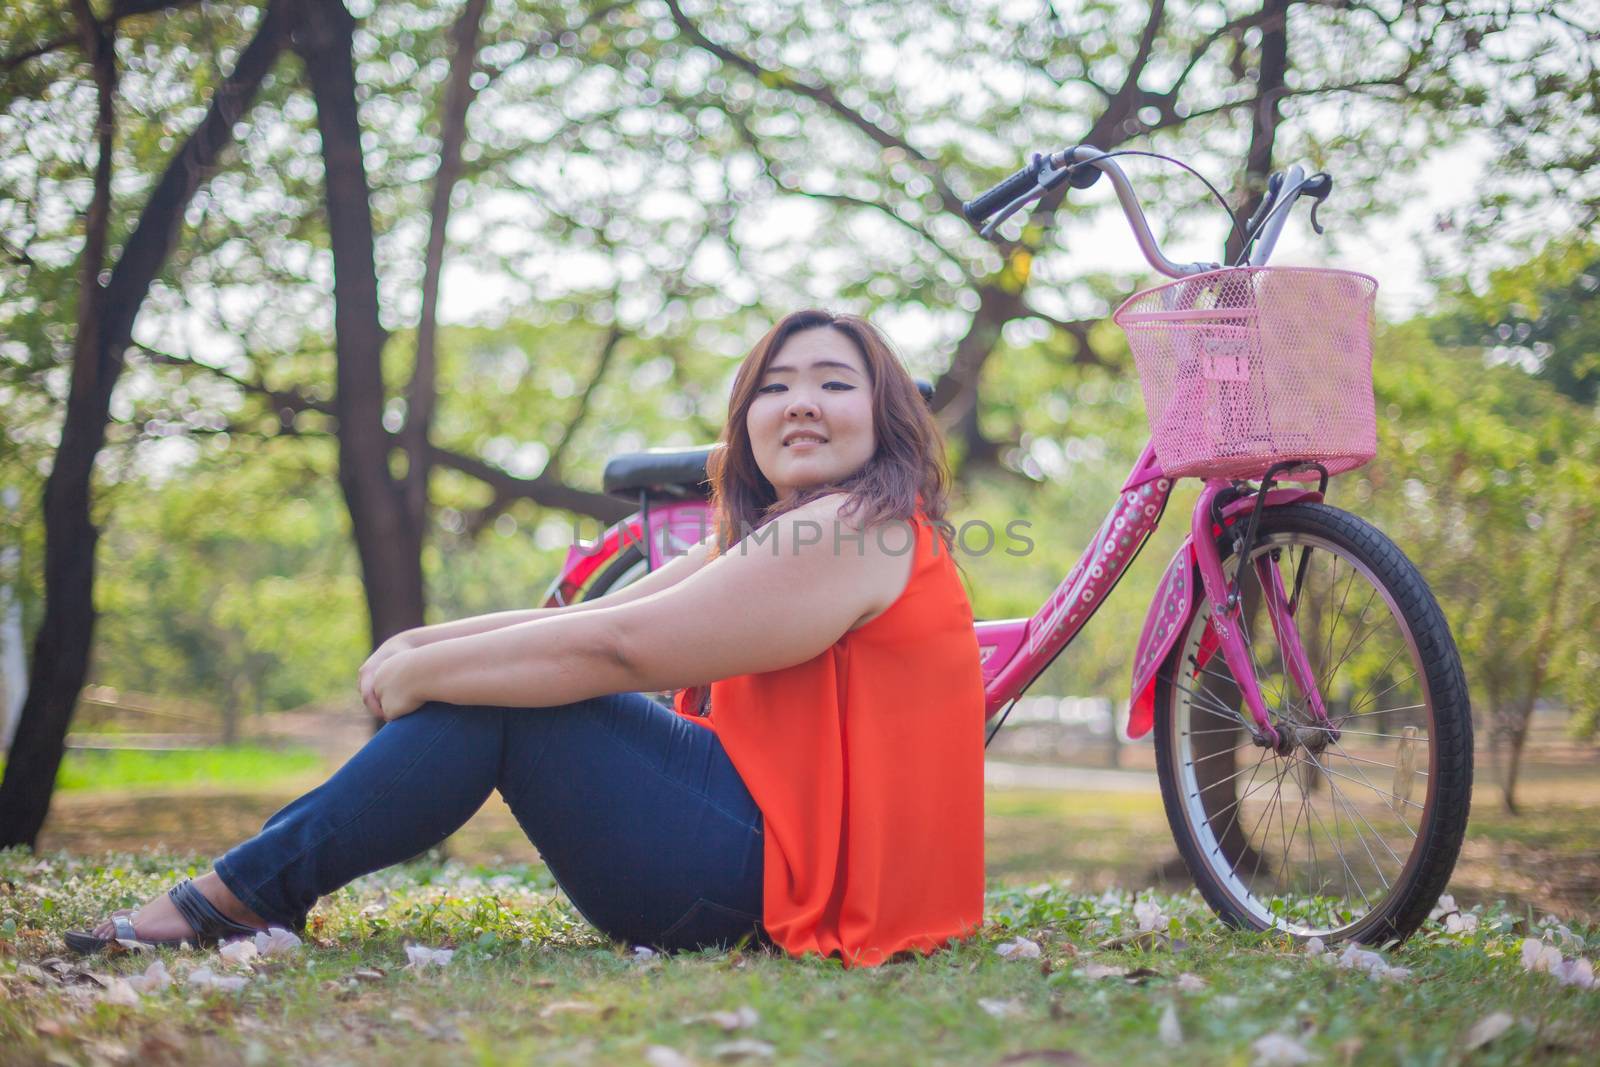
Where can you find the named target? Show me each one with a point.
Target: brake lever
(1318, 186)
(1049, 177)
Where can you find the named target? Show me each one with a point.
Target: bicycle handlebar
(1082, 166)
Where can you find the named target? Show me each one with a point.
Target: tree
(1490, 480)
(107, 309)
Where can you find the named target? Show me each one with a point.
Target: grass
(531, 983)
(124, 768)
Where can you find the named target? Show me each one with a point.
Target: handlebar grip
(987, 203)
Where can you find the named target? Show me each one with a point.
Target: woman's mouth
(804, 438)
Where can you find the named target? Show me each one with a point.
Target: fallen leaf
(1279, 1050)
(568, 1007)
(746, 1048)
(368, 974)
(1168, 1029)
(1486, 1030)
(1020, 949)
(662, 1056)
(50, 1027)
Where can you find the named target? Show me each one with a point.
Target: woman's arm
(664, 577)
(755, 608)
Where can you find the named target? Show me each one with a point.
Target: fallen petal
(1149, 915)
(568, 1007)
(1020, 949)
(662, 1056)
(1279, 1050)
(238, 953)
(1168, 1030)
(203, 978)
(1487, 1029)
(276, 941)
(1190, 983)
(419, 957)
(1001, 1009)
(121, 992)
(154, 977)
(746, 1048)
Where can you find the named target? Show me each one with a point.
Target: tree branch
(422, 393)
(124, 9)
(824, 95)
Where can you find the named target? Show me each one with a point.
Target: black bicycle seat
(670, 472)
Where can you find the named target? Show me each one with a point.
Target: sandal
(207, 926)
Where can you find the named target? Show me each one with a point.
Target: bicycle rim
(1330, 838)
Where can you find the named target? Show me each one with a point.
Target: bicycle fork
(1228, 626)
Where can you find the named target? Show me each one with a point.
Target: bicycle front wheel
(1353, 832)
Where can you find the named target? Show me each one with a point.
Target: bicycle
(1364, 724)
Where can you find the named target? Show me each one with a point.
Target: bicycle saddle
(671, 472)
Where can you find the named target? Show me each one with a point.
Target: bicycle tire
(616, 574)
(1206, 842)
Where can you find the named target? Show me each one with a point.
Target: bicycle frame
(1014, 652)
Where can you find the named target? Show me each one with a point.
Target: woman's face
(811, 420)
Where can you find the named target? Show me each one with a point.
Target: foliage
(1489, 479)
(117, 769)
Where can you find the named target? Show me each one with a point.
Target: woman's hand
(394, 689)
(397, 644)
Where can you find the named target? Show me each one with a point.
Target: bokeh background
(318, 322)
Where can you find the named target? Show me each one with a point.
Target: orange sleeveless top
(867, 764)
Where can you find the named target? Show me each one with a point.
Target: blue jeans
(638, 813)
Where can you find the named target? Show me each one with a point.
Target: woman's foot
(160, 920)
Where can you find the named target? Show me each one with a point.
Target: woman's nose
(801, 407)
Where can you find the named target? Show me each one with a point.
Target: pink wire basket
(1248, 366)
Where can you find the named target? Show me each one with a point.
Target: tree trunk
(388, 542)
(105, 325)
(1265, 117)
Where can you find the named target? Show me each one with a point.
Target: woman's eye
(773, 388)
(837, 385)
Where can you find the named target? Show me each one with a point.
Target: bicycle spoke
(1368, 783)
(1353, 810)
(1339, 798)
(1338, 847)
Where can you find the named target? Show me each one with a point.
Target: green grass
(94, 769)
(523, 954)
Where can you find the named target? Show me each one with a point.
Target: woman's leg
(418, 780)
(640, 816)
(638, 813)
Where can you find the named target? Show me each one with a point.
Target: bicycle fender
(1172, 609)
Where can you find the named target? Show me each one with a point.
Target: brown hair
(909, 460)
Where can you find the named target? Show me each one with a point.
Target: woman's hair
(909, 460)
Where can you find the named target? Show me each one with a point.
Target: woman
(826, 793)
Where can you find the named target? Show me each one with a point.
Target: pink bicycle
(1313, 736)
